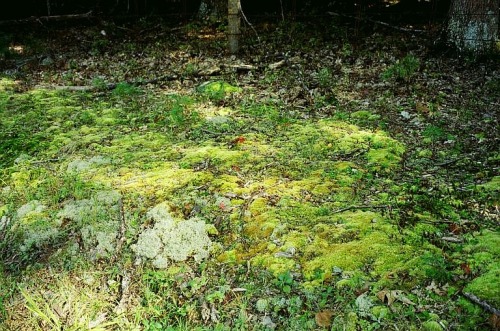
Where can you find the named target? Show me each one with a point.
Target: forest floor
(330, 177)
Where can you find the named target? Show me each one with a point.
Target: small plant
(99, 83)
(99, 46)
(125, 89)
(190, 69)
(284, 281)
(436, 268)
(325, 78)
(346, 50)
(433, 133)
(217, 91)
(402, 69)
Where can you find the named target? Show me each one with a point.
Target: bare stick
(482, 303)
(377, 22)
(47, 18)
(248, 22)
(360, 207)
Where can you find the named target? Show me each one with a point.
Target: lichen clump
(98, 219)
(172, 240)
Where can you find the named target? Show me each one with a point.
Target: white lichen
(98, 218)
(33, 206)
(80, 165)
(76, 210)
(37, 238)
(149, 244)
(108, 197)
(172, 240)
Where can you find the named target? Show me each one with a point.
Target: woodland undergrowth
(330, 176)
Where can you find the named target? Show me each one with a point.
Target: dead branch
(486, 306)
(360, 207)
(40, 19)
(454, 240)
(399, 28)
(112, 86)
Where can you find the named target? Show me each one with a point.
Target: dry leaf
(435, 289)
(386, 297)
(401, 297)
(494, 321)
(422, 108)
(324, 318)
(390, 296)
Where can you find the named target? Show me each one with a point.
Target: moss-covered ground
(338, 184)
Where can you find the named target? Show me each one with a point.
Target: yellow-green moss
(221, 158)
(492, 185)
(218, 86)
(158, 182)
(484, 257)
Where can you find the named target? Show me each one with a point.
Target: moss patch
(484, 259)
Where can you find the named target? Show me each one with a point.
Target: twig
(454, 240)
(45, 161)
(360, 207)
(123, 228)
(125, 277)
(443, 164)
(482, 303)
(250, 24)
(112, 86)
(377, 22)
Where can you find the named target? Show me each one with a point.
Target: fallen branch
(124, 290)
(360, 207)
(112, 86)
(454, 240)
(446, 163)
(399, 28)
(486, 306)
(41, 19)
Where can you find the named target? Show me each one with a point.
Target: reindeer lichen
(171, 239)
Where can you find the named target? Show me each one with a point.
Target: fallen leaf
(389, 297)
(465, 268)
(324, 318)
(386, 297)
(422, 108)
(454, 228)
(401, 297)
(432, 287)
(494, 321)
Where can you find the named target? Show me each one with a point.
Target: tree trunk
(473, 25)
(233, 33)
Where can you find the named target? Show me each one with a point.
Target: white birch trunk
(473, 25)
(233, 27)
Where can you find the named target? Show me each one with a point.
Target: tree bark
(473, 25)
(233, 33)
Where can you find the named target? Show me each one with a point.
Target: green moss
(218, 86)
(492, 185)
(214, 156)
(384, 159)
(159, 182)
(364, 117)
(230, 256)
(487, 286)
(484, 257)
(432, 326)
(276, 265)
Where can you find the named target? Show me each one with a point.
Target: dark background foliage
(21, 9)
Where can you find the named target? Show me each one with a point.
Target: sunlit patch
(18, 49)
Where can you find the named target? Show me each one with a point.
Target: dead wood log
(41, 19)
